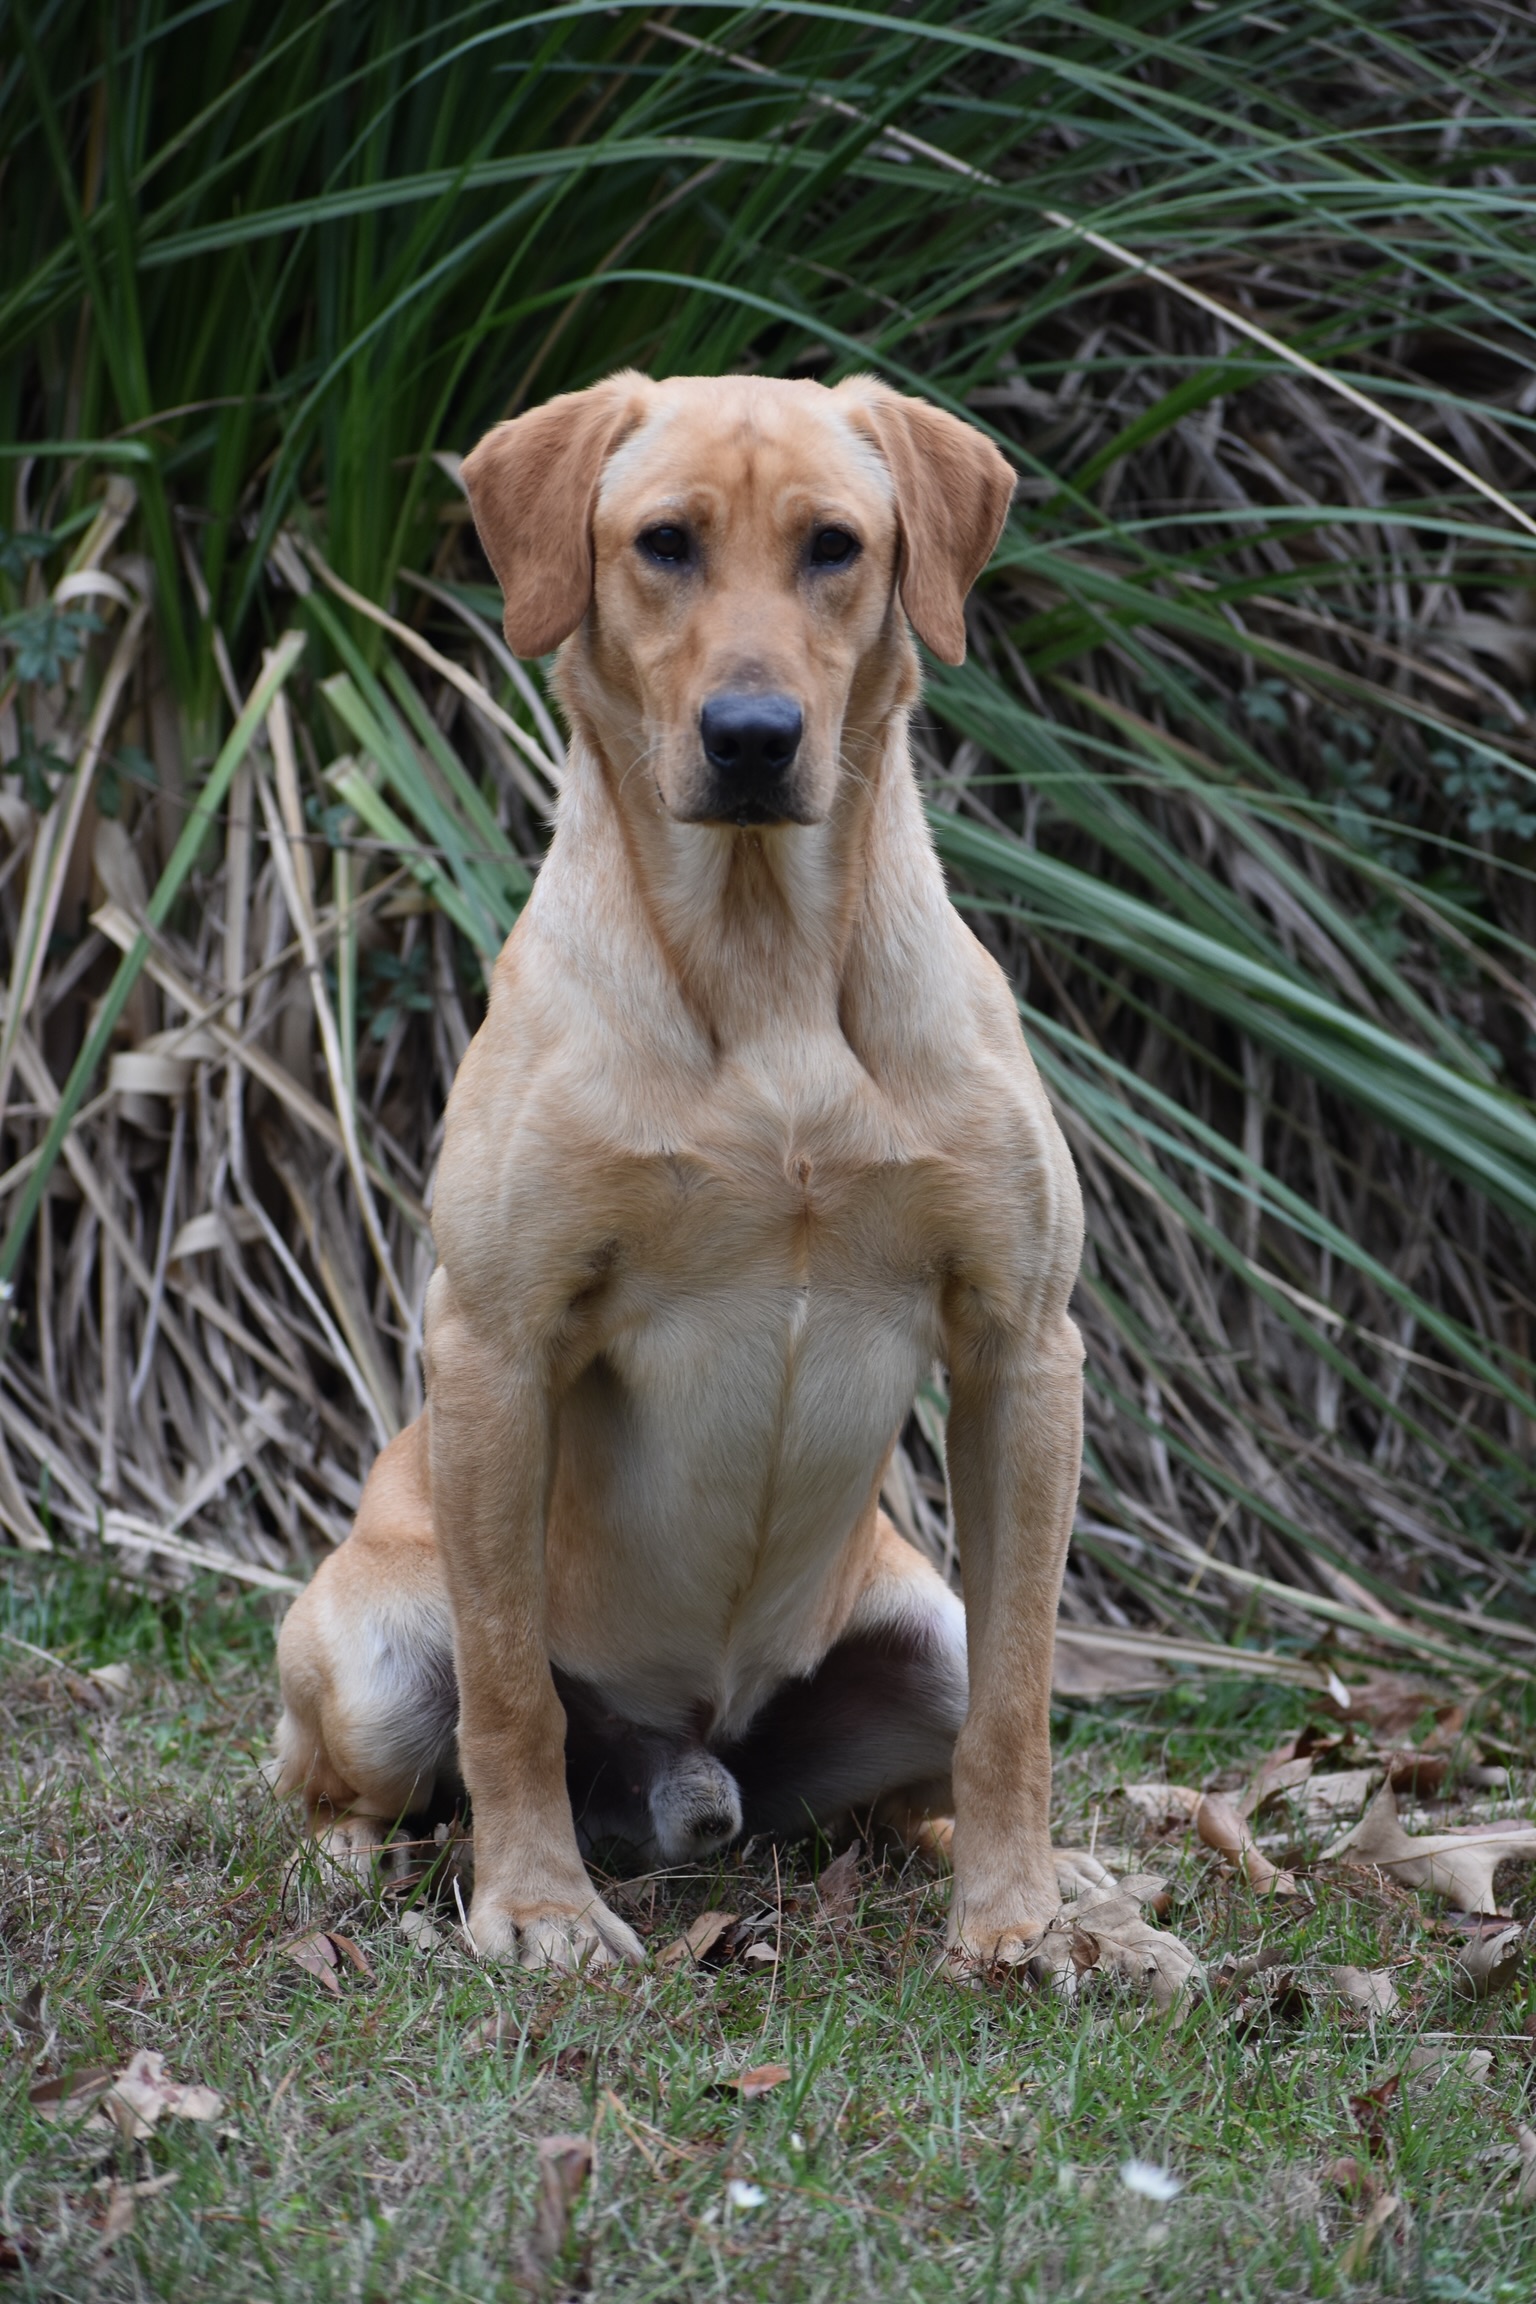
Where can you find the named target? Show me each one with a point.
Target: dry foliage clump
(1236, 781)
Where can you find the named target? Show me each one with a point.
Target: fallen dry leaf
(1394, 1705)
(1276, 1775)
(321, 1953)
(1370, 2109)
(29, 2014)
(1428, 2062)
(565, 2163)
(1148, 1888)
(144, 2189)
(1525, 2182)
(1488, 1961)
(1267, 1990)
(141, 2095)
(837, 1885)
(122, 2200)
(1222, 1828)
(1270, 1994)
(698, 1941)
(1349, 2175)
(756, 2082)
(119, 2215)
(422, 1932)
(1235, 1968)
(352, 1953)
(1104, 1933)
(1161, 1806)
(1080, 1873)
(1220, 1825)
(1344, 1793)
(1457, 1865)
(1377, 2216)
(69, 2095)
(766, 1955)
(1369, 1988)
(317, 1955)
(1420, 1774)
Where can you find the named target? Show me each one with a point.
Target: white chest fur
(760, 1340)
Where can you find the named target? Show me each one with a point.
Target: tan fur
(749, 1137)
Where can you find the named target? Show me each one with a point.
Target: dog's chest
(804, 1189)
(763, 1330)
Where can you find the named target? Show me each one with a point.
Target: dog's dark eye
(833, 548)
(668, 544)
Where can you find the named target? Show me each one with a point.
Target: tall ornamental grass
(1237, 781)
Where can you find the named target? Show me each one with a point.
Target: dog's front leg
(491, 1451)
(1014, 1448)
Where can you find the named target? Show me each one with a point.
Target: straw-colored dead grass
(1236, 781)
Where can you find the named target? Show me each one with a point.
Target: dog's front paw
(1101, 1932)
(552, 1934)
(988, 1940)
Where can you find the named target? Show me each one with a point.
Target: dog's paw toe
(980, 1954)
(1079, 1873)
(569, 1938)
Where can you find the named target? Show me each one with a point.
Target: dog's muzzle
(750, 741)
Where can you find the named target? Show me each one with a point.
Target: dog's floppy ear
(532, 485)
(953, 490)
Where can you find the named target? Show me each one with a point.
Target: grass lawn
(379, 2139)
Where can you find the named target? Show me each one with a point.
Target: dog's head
(726, 557)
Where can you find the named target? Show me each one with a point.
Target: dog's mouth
(740, 811)
(751, 813)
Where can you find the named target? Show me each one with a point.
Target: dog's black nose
(751, 739)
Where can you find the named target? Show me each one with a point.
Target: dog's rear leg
(365, 1655)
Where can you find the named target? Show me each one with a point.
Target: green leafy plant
(394, 989)
(44, 640)
(20, 552)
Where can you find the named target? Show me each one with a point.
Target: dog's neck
(758, 933)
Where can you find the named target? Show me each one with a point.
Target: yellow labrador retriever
(748, 1139)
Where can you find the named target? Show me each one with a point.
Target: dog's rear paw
(353, 1844)
(569, 1937)
(932, 1840)
(695, 1805)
